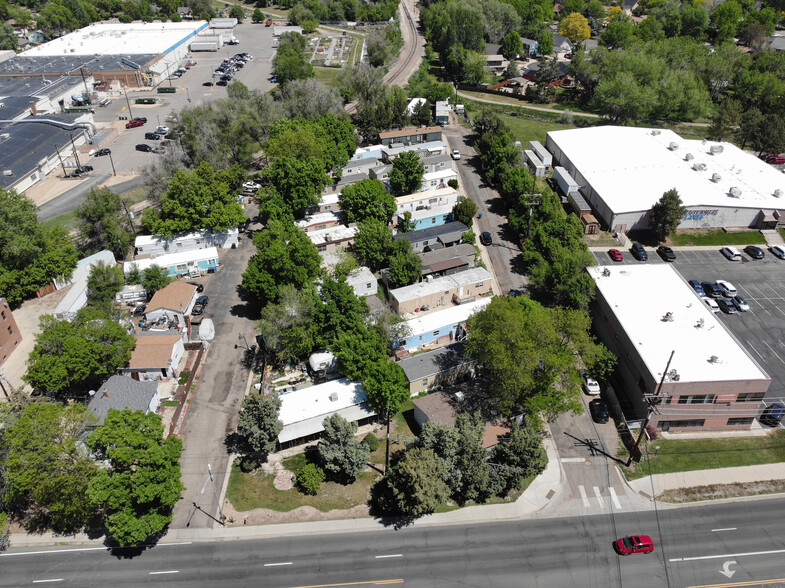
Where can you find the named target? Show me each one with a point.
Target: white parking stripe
(755, 350)
(615, 498)
(599, 497)
(584, 497)
(774, 352)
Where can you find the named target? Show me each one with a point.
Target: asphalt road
(692, 546)
(72, 198)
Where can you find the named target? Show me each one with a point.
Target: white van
(105, 102)
(731, 253)
(778, 250)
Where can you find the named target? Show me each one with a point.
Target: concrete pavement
(659, 483)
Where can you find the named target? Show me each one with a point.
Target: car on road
(144, 147)
(774, 159)
(209, 84)
(634, 544)
(590, 385)
(711, 304)
(162, 130)
(132, 124)
(728, 289)
(485, 238)
(754, 252)
(712, 289)
(778, 251)
(456, 154)
(199, 287)
(666, 253)
(726, 306)
(102, 152)
(638, 252)
(616, 255)
(740, 303)
(86, 168)
(696, 285)
(599, 411)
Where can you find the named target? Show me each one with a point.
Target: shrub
(453, 183)
(468, 237)
(372, 441)
(309, 480)
(183, 379)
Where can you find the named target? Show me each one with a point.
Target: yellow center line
(737, 584)
(374, 582)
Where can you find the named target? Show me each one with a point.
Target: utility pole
(57, 150)
(650, 412)
(125, 90)
(114, 171)
(531, 200)
(387, 455)
(2, 377)
(84, 81)
(76, 156)
(130, 218)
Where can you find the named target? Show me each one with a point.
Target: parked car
(740, 303)
(162, 130)
(485, 238)
(754, 252)
(101, 152)
(726, 306)
(616, 255)
(634, 544)
(711, 304)
(772, 415)
(140, 118)
(728, 289)
(152, 136)
(712, 289)
(599, 411)
(132, 124)
(774, 159)
(86, 168)
(144, 147)
(251, 185)
(778, 251)
(209, 84)
(456, 154)
(731, 253)
(696, 285)
(139, 310)
(221, 83)
(666, 253)
(590, 385)
(286, 390)
(638, 252)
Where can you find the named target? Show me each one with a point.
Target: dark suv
(639, 253)
(485, 238)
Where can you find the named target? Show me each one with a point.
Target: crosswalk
(612, 498)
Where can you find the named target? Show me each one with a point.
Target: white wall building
(152, 245)
(363, 282)
(76, 297)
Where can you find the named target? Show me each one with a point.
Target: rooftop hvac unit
(8, 172)
(778, 193)
(459, 396)
(699, 166)
(5, 136)
(735, 192)
(656, 132)
(716, 178)
(673, 146)
(333, 396)
(715, 149)
(689, 157)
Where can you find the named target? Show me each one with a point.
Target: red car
(634, 544)
(774, 159)
(616, 255)
(133, 124)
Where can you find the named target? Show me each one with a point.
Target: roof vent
(689, 157)
(668, 317)
(714, 359)
(778, 193)
(673, 146)
(701, 324)
(699, 166)
(459, 396)
(715, 149)
(735, 192)
(656, 132)
(333, 396)
(716, 178)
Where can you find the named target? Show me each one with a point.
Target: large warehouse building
(623, 171)
(643, 313)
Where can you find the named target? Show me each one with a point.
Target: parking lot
(761, 330)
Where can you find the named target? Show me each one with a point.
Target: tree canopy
(407, 172)
(666, 214)
(367, 198)
(102, 223)
(259, 424)
(341, 454)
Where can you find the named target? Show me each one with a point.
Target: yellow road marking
(747, 583)
(374, 582)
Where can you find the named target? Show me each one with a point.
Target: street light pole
(130, 113)
(114, 171)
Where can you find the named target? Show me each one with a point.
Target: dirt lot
(718, 491)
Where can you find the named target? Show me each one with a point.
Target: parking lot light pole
(114, 171)
(130, 113)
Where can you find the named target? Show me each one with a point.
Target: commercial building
(623, 171)
(10, 335)
(439, 328)
(435, 293)
(643, 313)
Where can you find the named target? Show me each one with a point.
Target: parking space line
(750, 345)
(774, 352)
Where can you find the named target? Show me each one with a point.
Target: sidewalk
(739, 475)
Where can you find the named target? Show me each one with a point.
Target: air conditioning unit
(716, 178)
(735, 192)
(715, 149)
(459, 396)
(699, 166)
(673, 146)
(656, 132)
(333, 397)
(8, 172)
(778, 193)
(689, 157)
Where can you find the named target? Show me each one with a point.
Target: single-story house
(434, 293)
(76, 297)
(432, 216)
(381, 172)
(440, 328)
(561, 44)
(437, 179)
(496, 63)
(121, 392)
(345, 181)
(434, 163)
(442, 112)
(429, 208)
(363, 282)
(449, 260)
(328, 203)
(334, 239)
(435, 237)
(411, 135)
(155, 357)
(440, 367)
(173, 302)
(303, 411)
(392, 151)
(318, 221)
(440, 407)
(369, 152)
(197, 261)
(152, 245)
(360, 166)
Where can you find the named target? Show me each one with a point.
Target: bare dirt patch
(718, 491)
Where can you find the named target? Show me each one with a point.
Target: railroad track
(413, 48)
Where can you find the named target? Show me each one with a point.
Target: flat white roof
(316, 219)
(71, 301)
(331, 234)
(437, 193)
(170, 259)
(442, 173)
(118, 39)
(641, 295)
(328, 199)
(443, 284)
(449, 316)
(434, 211)
(630, 168)
(360, 276)
(303, 411)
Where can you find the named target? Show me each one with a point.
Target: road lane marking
(391, 555)
(166, 572)
(281, 563)
(727, 555)
(584, 497)
(82, 549)
(739, 584)
(44, 581)
(726, 529)
(366, 583)
(599, 497)
(573, 460)
(615, 498)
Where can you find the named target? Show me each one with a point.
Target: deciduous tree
(405, 265)
(575, 27)
(666, 214)
(289, 325)
(414, 486)
(518, 456)
(341, 454)
(154, 278)
(373, 243)
(407, 172)
(512, 46)
(464, 211)
(103, 283)
(367, 199)
(259, 424)
(102, 223)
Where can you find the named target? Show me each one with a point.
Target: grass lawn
(717, 237)
(705, 454)
(527, 129)
(327, 75)
(68, 221)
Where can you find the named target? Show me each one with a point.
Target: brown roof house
(155, 357)
(173, 302)
(440, 407)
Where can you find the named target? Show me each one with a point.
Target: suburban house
(363, 282)
(411, 135)
(440, 367)
(438, 179)
(561, 44)
(359, 167)
(334, 239)
(439, 328)
(434, 293)
(172, 303)
(318, 221)
(155, 357)
(195, 262)
(449, 260)
(121, 392)
(496, 63)
(381, 172)
(531, 48)
(76, 297)
(328, 203)
(437, 162)
(436, 237)
(429, 208)
(10, 335)
(303, 411)
(529, 71)
(442, 112)
(152, 245)
(431, 148)
(440, 407)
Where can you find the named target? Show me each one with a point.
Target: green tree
(422, 114)
(414, 486)
(237, 12)
(341, 454)
(298, 181)
(357, 351)
(284, 255)
(367, 199)
(259, 424)
(666, 214)
(373, 243)
(518, 456)
(386, 389)
(407, 172)
(309, 480)
(154, 278)
(405, 223)
(139, 489)
(575, 27)
(289, 63)
(341, 311)
(8, 40)
(725, 121)
(257, 16)
(103, 283)
(512, 46)
(618, 34)
(725, 19)
(405, 265)
(289, 325)
(475, 68)
(46, 469)
(464, 211)
(70, 358)
(102, 223)
(694, 20)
